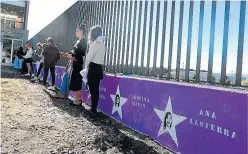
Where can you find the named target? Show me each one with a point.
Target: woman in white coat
(94, 64)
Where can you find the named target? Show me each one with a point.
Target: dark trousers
(39, 70)
(95, 75)
(94, 84)
(52, 70)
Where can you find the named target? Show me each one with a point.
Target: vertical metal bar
(90, 14)
(240, 43)
(129, 35)
(110, 15)
(156, 40)
(149, 39)
(101, 18)
(116, 35)
(93, 13)
(124, 37)
(144, 38)
(99, 12)
(179, 43)
(163, 40)
(112, 52)
(133, 36)
(191, 8)
(120, 35)
(225, 42)
(211, 42)
(105, 27)
(199, 47)
(171, 39)
(138, 38)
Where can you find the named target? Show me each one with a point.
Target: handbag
(16, 63)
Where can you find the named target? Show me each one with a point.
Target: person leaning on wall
(94, 64)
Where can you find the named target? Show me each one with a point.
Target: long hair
(166, 117)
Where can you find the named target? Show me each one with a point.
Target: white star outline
(176, 119)
(122, 102)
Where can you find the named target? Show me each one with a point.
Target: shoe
(76, 103)
(28, 74)
(51, 88)
(34, 78)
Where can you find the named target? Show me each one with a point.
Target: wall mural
(165, 112)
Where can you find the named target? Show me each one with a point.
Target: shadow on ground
(114, 132)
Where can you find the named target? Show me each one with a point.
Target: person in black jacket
(76, 56)
(19, 54)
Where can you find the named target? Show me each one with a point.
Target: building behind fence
(182, 40)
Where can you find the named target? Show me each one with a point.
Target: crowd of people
(85, 60)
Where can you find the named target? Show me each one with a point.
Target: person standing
(51, 56)
(28, 59)
(72, 79)
(94, 64)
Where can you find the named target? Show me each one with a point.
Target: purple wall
(186, 119)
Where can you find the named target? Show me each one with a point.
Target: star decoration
(169, 121)
(118, 102)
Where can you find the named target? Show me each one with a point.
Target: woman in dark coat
(72, 77)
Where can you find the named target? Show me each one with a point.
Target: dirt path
(34, 123)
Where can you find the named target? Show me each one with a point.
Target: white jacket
(96, 52)
(29, 53)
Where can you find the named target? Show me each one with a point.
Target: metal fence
(122, 22)
(155, 38)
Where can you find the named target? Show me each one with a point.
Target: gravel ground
(34, 123)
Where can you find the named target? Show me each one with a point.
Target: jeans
(52, 70)
(39, 70)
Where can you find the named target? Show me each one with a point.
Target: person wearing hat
(51, 56)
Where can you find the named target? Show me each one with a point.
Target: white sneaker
(34, 78)
(28, 74)
(51, 88)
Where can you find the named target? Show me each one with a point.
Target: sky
(41, 14)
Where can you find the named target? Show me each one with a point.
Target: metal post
(129, 35)
(112, 52)
(225, 43)
(110, 15)
(240, 43)
(211, 42)
(138, 38)
(133, 36)
(179, 43)
(144, 38)
(120, 44)
(149, 39)
(163, 40)
(124, 36)
(199, 47)
(116, 39)
(156, 40)
(171, 39)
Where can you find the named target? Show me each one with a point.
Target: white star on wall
(117, 106)
(175, 120)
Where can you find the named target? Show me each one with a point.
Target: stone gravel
(32, 122)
